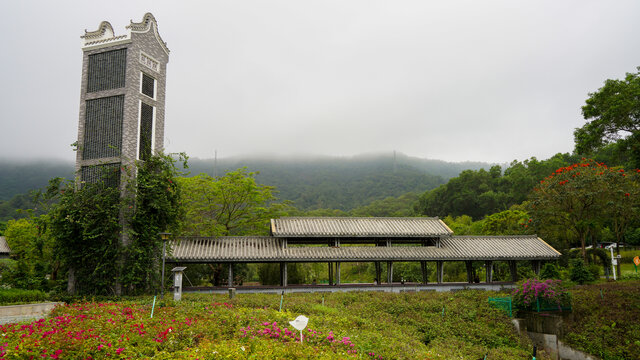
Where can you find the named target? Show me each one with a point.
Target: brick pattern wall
(129, 149)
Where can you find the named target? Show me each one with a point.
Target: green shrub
(594, 270)
(549, 271)
(578, 272)
(12, 296)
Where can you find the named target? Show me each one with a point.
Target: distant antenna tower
(394, 161)
(215, 163)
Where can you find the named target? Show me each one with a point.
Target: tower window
(148, 86)
(107, 174)
(103, 127)
(107, 70)
(146, 131)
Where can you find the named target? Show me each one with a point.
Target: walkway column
(230, 281)
(283, 274)
(469, 265)
(425, 275)
(440, 275)
(536, 266)
(378, 272)
(330, 273)
(337, 273)
(488, 265)
(513, 267)
(389, 272)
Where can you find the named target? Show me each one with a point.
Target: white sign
(300, 323)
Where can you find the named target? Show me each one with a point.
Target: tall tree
(613, 114)
(578, 198)
(230, 205)
(233, 204)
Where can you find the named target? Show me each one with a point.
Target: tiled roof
(499, 247)
(268, 249)
(4, 246)
(358, 227)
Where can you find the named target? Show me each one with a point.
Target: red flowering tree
(582, 196)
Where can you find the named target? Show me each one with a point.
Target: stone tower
(122, 100)
(121, 107)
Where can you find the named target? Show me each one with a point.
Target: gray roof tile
(4, 246)
(358, 227)
(268, 249)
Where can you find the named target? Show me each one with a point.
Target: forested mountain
(20, 177)
(479, 193)
(342, 183)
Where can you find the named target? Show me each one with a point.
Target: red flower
(627, 194)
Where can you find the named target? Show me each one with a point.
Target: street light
(164, 236)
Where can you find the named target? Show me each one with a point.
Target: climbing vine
(107, 239)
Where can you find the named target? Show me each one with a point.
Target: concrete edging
(17, 313)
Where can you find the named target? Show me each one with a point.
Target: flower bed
(350, 325)
(541, 295)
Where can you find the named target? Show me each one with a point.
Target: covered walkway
(377, 240)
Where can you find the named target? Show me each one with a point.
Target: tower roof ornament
(105, 34)
(105, 31)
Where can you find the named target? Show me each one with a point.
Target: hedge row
(13, 296)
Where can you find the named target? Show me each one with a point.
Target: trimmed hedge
(13, 296)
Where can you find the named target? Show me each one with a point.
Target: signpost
(614, 262)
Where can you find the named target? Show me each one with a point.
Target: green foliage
(21, 296)
(579, 272)
(531, 293)
(463, 225)
(230, 205)
(401, 206)
(31, 249)
(580, 198)
(612, 112)
(155, 209)
(605, 320)
(341, 183)
(358, 325)
(233, 204)
(20, 177)
(549, 271)
(508, 222)
(86, 224)
(479, 193)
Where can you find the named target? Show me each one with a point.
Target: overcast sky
(453, 80)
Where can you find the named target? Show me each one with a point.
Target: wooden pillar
(230, 281)
(440, 271)
(330, 273)
(536, 266)
(389, 272)
(469, 265)
(378, 272)
(283, 274)
(489, 270)
(513, 267)
(425, 275)
(337, 273)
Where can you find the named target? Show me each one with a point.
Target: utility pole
(215, 163)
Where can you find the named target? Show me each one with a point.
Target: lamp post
(164, 236)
